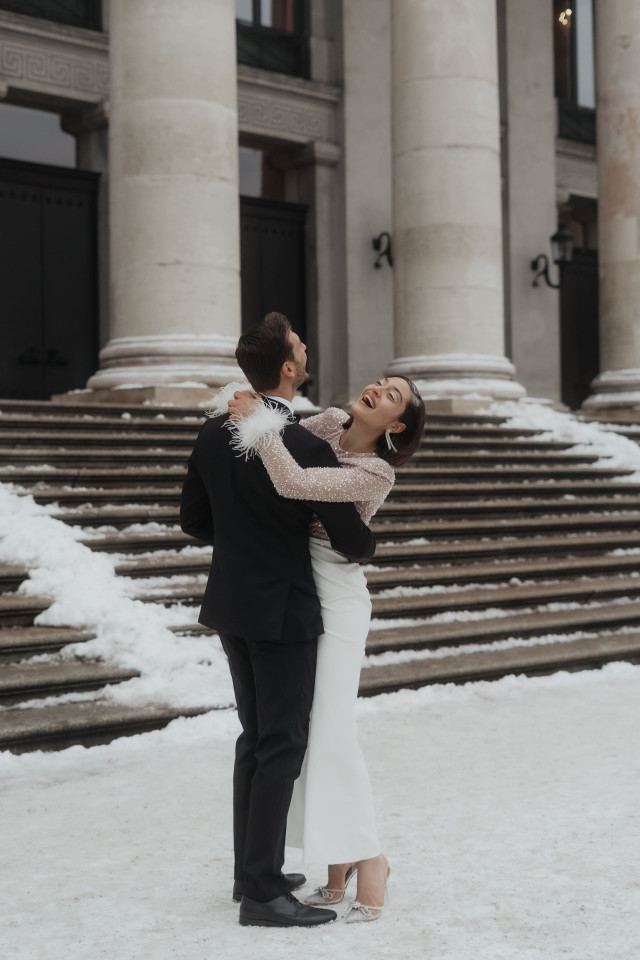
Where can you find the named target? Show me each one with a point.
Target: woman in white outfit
(331, 814)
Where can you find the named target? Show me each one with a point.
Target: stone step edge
(426, 575)
(573, 655)
(20, 682)
(410, 553)
(496, 526)
(568, 591)
(109, 483)
(88, 723)
(393, 551)
(537, 497)
(90, 454)
(387, 522)
(30, 641)
(128, 434)
(169, 410)
(431, 635)
(400, 505)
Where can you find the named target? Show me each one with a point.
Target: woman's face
(381, 404)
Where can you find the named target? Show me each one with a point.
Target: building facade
(224, 159)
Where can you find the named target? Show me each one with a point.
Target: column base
(462, 381)
(615, 393)
(178, 360)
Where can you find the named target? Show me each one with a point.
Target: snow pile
(84, 588)
(590, 438)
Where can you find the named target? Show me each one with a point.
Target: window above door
(75, 13)
(273, 35)
(574, 53)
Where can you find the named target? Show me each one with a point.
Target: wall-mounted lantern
(561, 254)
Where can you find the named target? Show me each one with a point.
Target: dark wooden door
(580, 345)
(48, 302)
(272, 258)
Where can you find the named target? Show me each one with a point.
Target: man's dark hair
(262, 350)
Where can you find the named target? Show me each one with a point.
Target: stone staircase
(497, 553)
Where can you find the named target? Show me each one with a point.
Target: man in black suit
(262, 600)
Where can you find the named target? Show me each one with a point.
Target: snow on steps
(66, 724)
(433, 603)
(495, 502)
(580, 654)
(24, 681)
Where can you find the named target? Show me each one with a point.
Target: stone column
(366, 109)
(618, 128)
(531, 194)
(173, 190)
(449, 311)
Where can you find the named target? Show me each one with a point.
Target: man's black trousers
(273, 684)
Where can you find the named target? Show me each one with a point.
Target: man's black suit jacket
(261, 585)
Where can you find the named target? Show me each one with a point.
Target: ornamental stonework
(31, 68)
(297, 122)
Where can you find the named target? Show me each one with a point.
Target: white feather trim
(263, 425)
(221, 399)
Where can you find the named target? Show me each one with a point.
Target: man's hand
(244, 404)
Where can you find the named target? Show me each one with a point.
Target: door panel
(272, 250)
(20, 291)
(48, 304)
(580, 344)
(68, 234)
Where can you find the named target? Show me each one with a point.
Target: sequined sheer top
(362, 478)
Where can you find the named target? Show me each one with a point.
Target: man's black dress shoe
(284, 911)
(294, 882)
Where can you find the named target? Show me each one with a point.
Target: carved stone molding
(57, 63)
(287, 108)
(71, 65)
(576, 170)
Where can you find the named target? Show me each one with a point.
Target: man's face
(299, 360)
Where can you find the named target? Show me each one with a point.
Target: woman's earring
(387, 434)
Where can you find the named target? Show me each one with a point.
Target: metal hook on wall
(376, 243)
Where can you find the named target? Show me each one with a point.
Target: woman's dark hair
(408, 441)
(262, 350)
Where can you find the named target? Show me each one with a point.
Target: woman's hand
(244, 404)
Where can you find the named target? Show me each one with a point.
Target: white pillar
(174, 209)
(366, 107)
(449, 314)
(618, 128)
(531, 187)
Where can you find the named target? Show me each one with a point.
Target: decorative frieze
(53, 61)
(576, 170)
(288, 108)
(70, 63)
(293, 122)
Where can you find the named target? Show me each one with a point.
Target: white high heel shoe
(323, 896)
(361, 913)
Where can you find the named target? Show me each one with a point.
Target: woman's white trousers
(331, 816)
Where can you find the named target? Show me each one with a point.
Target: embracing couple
(286, 506)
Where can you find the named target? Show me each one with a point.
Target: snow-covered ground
(508, 810)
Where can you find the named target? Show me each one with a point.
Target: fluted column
(618, 129)
(173, 192)
(449, 314)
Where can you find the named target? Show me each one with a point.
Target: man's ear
(287, 370)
